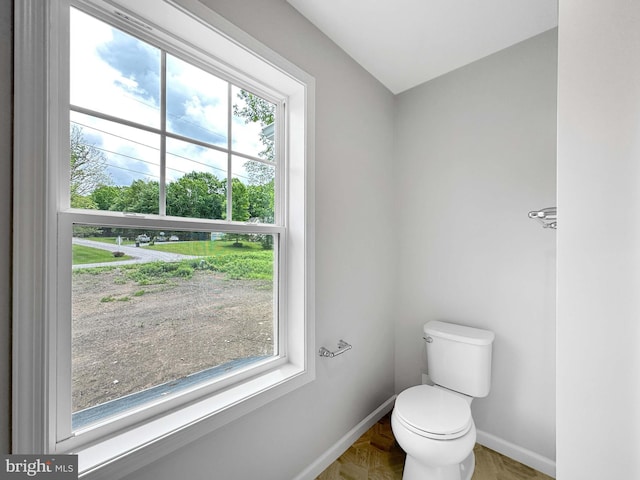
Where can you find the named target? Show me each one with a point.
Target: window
(152, 134)
(166, 266)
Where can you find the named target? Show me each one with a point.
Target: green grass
(250, 261)
(83, 255)
(205, 248)
(256, 264)
(154, 273)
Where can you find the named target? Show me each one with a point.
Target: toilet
(433, 423)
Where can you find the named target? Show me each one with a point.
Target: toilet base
(413, 470)
(467, 467)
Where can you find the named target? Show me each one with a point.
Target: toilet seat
(433, 413)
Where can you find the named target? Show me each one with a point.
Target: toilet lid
(433, 412)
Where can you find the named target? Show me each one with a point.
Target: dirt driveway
(128, 337)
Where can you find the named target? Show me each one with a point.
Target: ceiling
(404, 43)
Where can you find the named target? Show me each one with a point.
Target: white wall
(598, 364)
(476, 151)
(354, 138)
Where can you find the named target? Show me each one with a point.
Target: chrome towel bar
(548, 217)
(342, 347)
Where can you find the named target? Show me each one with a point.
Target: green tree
(106, 197)
(139, 197)
(239, 208)
(197, 195)
(239, 201)
(261, 201)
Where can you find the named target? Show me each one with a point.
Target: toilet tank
(459, 357)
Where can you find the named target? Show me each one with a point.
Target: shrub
(251, 265)
(159, 272)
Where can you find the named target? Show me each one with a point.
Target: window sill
(124, 453)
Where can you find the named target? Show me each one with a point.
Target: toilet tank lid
(459, 333)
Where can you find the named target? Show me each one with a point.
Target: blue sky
(117, 74)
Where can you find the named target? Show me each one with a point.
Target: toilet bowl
(435, 428)
(432, 423)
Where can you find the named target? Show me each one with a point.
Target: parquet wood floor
(377, 456)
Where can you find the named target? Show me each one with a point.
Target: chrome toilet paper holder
(342, 347)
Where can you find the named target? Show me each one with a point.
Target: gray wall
(475, 153)
(354, 138)
(599, 241)
(6, 78)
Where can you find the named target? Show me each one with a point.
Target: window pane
(258, 194)
(113, 166)
(196, 178)
(113, 72)
(197, 103)
(157, 312)
(253, 125)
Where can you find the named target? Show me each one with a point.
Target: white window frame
(40, 125)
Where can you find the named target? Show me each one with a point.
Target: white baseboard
(341, 446)
(522, 455)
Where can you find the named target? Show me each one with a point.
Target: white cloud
(200, 109)
(97, 85)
